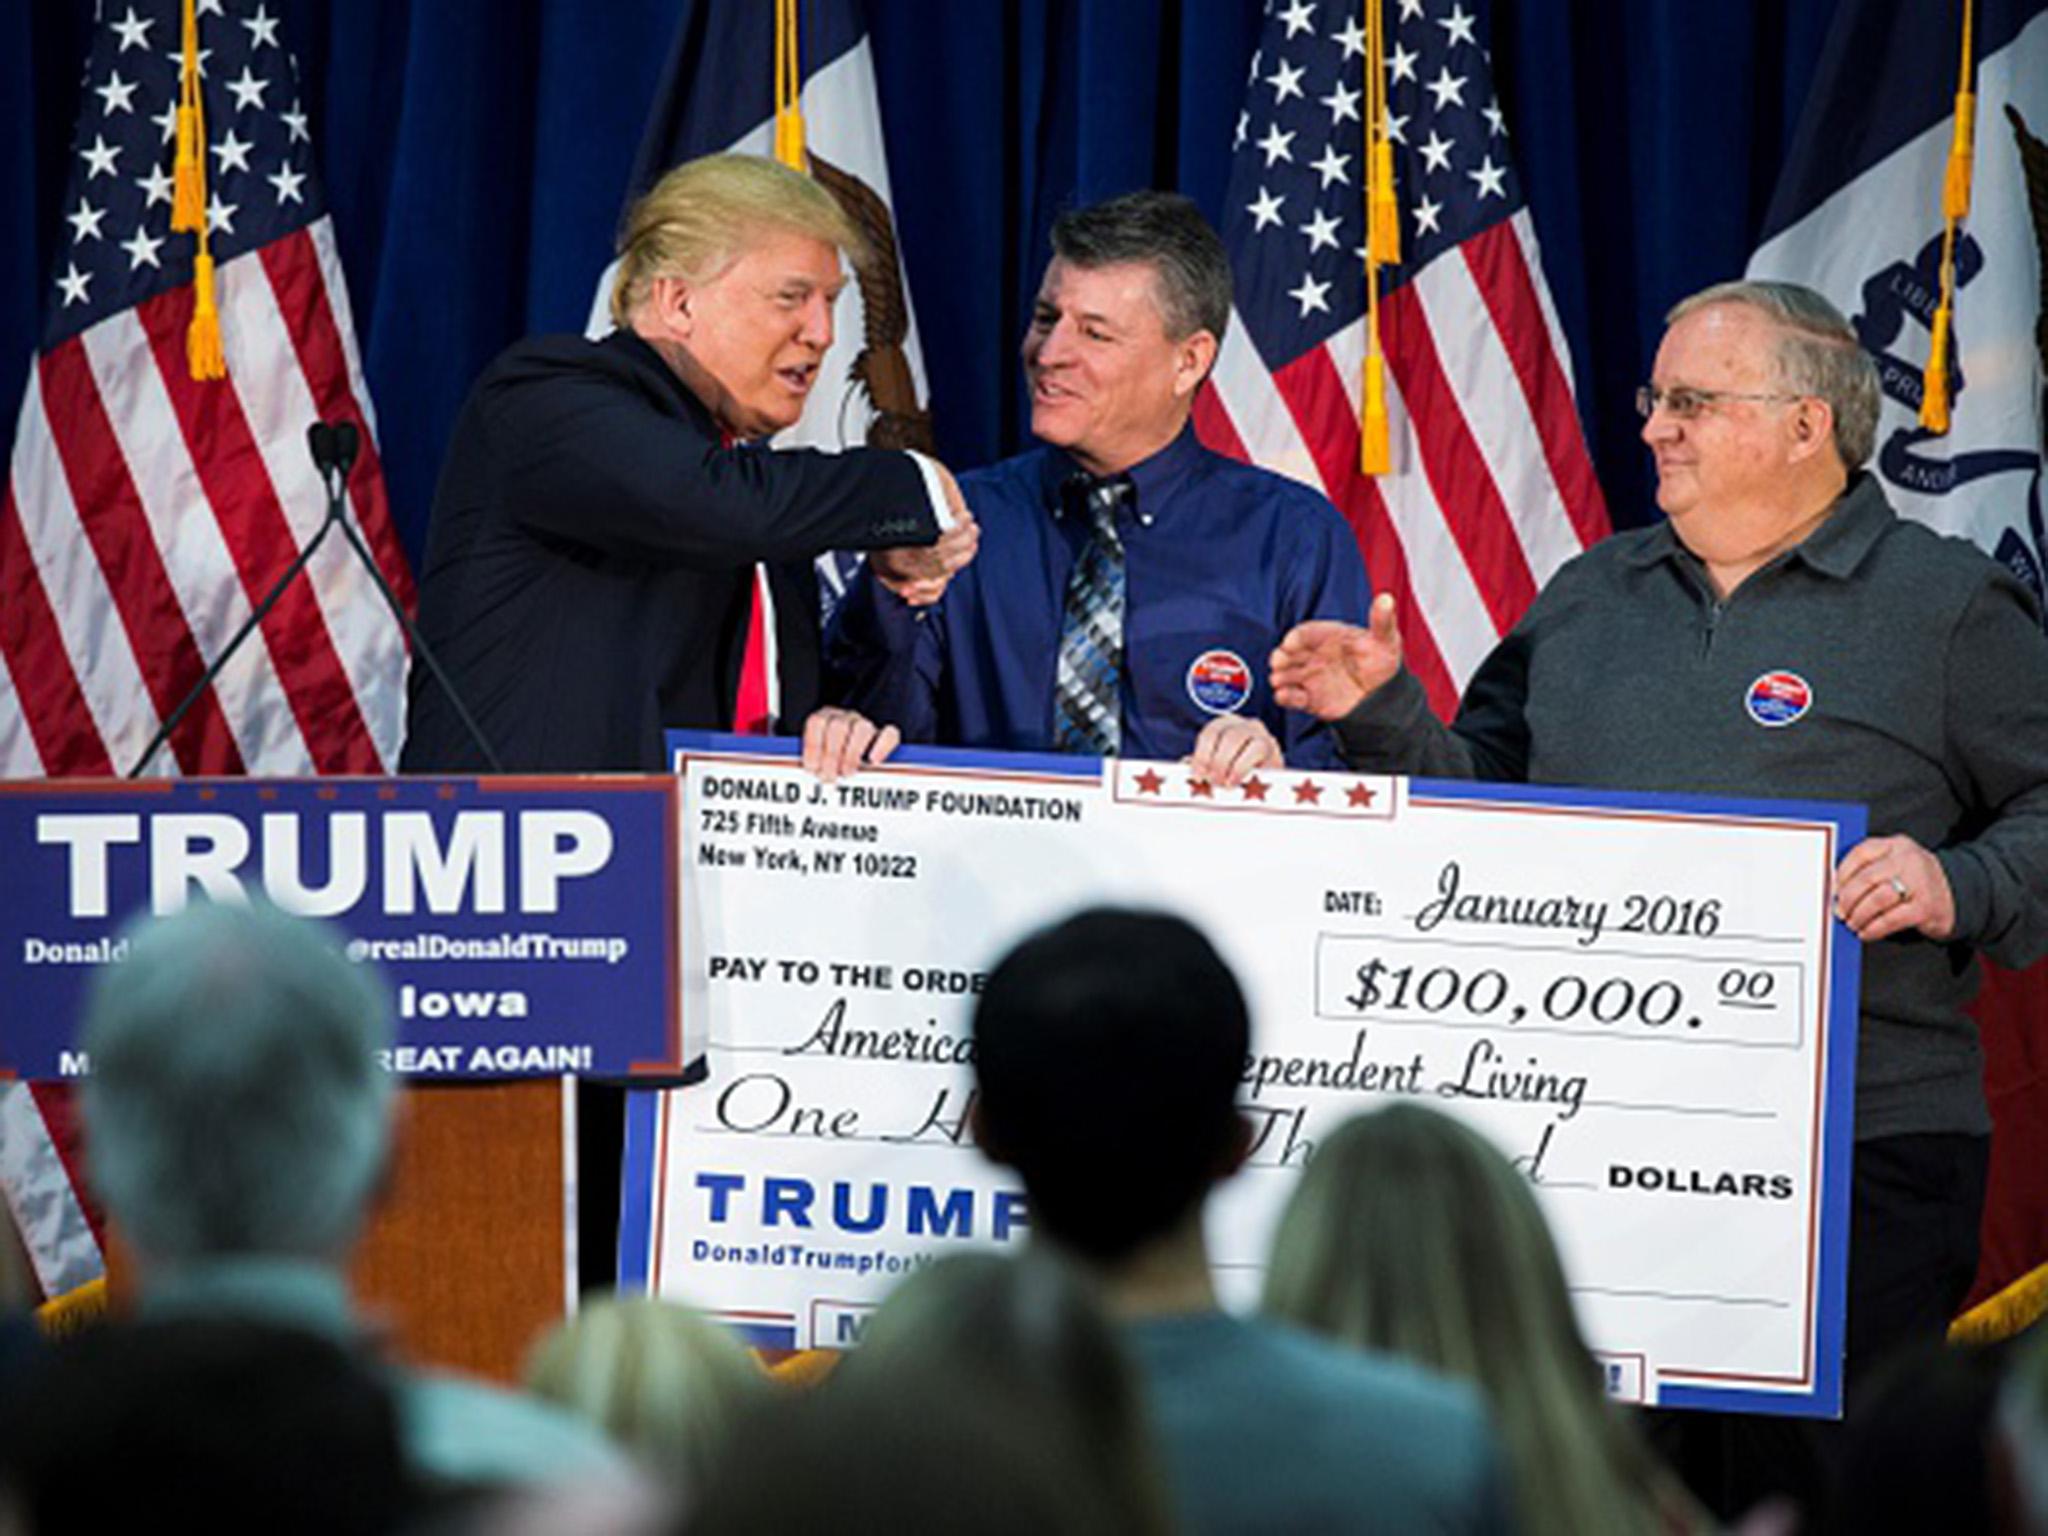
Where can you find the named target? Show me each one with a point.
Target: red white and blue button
(1778, 698)
(1220, 682)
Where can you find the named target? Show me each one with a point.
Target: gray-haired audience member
(1784, 633)
(662, 1382)
(1411, 1233)
(237, 1127)
(1108, 1052)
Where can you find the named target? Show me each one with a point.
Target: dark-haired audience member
(237, 1128)
(1917, 1447)
(1412, 1234)
(989, 1397)
(1108, 1052)
(20, 1344)
(1025, 1347)
(665, 1384)
(219, 1424)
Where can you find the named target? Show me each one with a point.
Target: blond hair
(1410, 1233)
(704, 214)
(662, 1382)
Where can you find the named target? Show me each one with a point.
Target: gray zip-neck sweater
(1925, 672)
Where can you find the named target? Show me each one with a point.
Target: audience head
(665, 1384)
(1026, 1343)
(230, 1424)
(1108, 1051)
(989, 1395)
(1916, 1451)
(236, 1103)
(1411, 1233)
(2020, 1450)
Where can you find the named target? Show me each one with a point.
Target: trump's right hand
(919, 575)
(1328, 668)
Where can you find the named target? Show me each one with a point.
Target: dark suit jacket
(587, 582)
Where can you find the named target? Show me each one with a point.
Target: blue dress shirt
(1222, 559)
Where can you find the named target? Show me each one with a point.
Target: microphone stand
(334, 449)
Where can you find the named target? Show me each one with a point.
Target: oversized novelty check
(1643, 1000)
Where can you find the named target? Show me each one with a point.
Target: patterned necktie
(1086, 714)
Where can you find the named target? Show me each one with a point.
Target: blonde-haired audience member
(1412, 1234)
(664, 1383)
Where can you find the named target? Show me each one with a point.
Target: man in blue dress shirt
(1210, 561)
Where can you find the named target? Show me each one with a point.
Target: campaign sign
(1644, 1001)
(523, 926)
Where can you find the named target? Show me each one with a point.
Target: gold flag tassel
(1382, 245)
(789, 117)
(188, 169)
(203, 355)
(1955, 207)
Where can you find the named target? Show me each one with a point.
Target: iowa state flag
(1858, 215)
(719, 94)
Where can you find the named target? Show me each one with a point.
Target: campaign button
(1778, 698)
(1220, 682)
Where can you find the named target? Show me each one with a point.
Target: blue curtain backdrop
(475, 153)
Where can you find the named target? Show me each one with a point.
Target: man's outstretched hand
(1328, 668)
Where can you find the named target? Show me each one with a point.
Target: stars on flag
(1301, 148)
(100, 158)
(133, 31)
(117, 94)
(120, 244)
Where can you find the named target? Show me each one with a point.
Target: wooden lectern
(471, 1255)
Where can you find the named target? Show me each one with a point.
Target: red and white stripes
(147, 514)
(1491, 489)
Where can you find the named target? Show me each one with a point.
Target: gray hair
(1166, 232)
(1818, 354)
(236, 1103)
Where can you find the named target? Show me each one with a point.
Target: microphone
(334, 446)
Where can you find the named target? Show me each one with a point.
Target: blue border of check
(1824, 1401)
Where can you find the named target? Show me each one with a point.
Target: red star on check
(1255, 789)
(1358, 794)
(1201, 789)
(1308, 792)
(1149, 783)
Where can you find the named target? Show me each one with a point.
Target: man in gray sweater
(1783, 633)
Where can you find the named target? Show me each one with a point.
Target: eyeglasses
(1686, 404)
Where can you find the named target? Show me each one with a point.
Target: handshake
(919, 575)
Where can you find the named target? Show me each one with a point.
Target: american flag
(146, 513)
(1491, 487)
